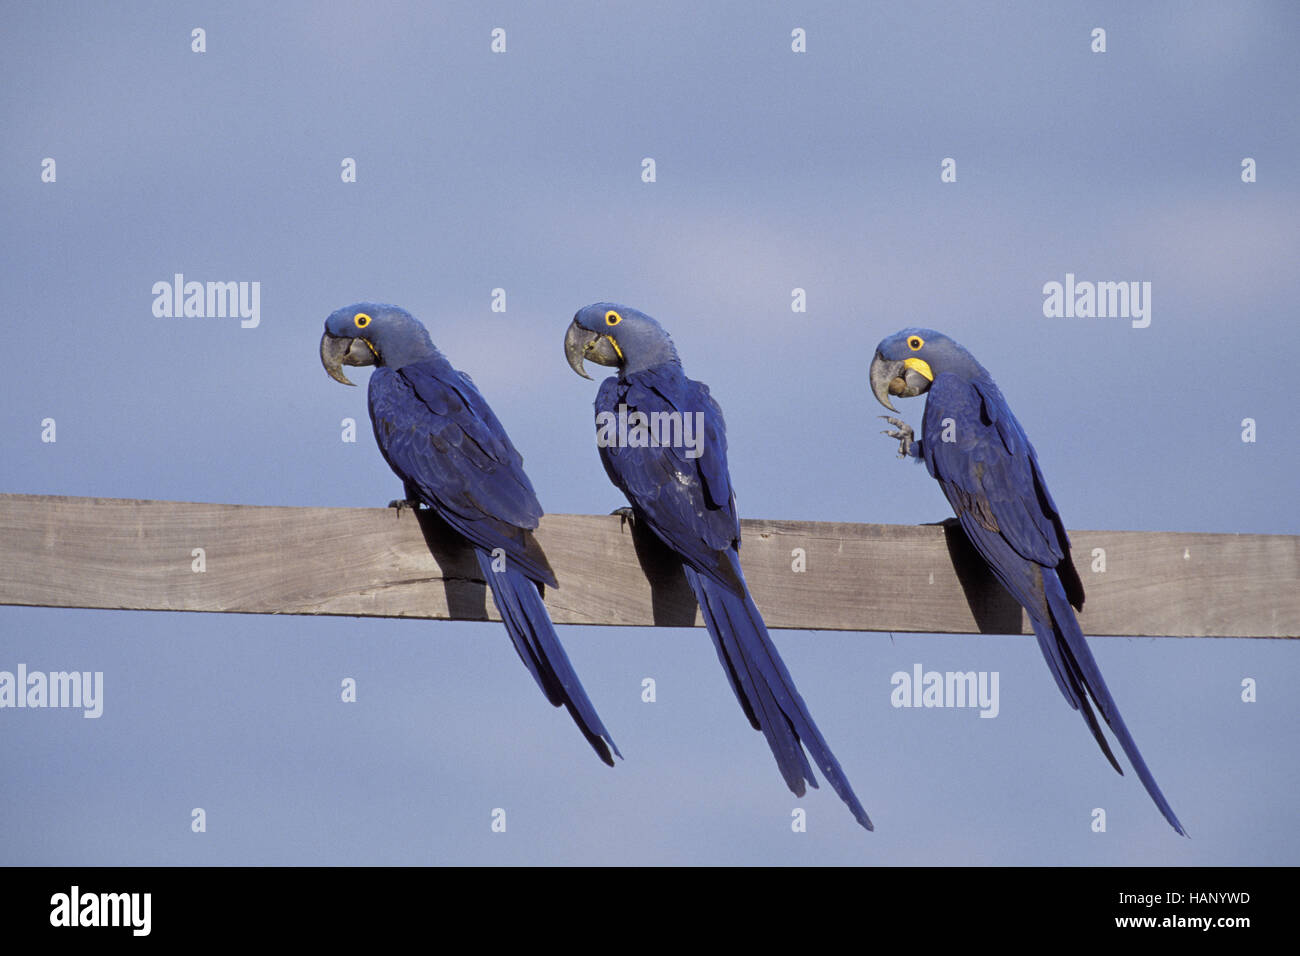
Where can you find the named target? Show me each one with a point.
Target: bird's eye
(612, 318)
(914, 342)
(361, 320)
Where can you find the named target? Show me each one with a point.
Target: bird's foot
(626, 514)
(903, 432)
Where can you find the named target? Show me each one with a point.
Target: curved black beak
(580, 344)
(337, 351)
(895, 377)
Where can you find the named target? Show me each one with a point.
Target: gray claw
(901, 431)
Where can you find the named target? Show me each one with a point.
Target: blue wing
(688, 503)
(974, 446)
(441, 438)
(687, 500)
(991, 468)
(439, 435)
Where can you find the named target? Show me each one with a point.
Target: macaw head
(617, 336)
(906, 363)
(368, 333)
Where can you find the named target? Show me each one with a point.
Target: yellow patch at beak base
(919, 365)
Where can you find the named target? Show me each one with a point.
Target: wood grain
(140, 555)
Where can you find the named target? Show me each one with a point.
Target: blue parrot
(679, 487)
(977, 451)
(441, 438)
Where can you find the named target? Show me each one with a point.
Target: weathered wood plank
(122, 553)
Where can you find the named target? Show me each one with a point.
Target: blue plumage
(975, 448)
(442, 439)
(682, 492)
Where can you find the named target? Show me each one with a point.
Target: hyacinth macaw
(681, 490)
(974, 447)
(441, 438)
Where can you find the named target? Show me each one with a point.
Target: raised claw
(901, 431)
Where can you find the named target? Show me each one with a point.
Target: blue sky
(522, 171)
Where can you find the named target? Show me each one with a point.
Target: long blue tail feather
(1077, 674)
(766, 691)
(530, 628)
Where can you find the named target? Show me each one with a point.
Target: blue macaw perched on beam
(975, 448)
(679, 487)
(441, 438)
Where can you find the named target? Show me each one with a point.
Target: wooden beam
(374, 562)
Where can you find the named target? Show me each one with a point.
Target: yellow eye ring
(915, 343)
(361, 320)
(612, 318)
